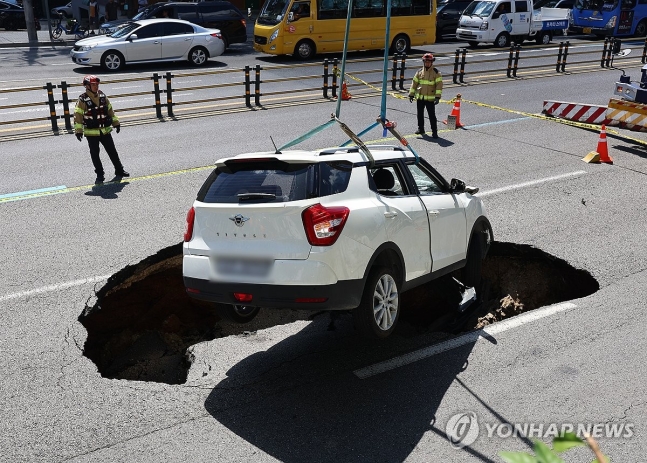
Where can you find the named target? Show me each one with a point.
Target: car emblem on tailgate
(239, 220)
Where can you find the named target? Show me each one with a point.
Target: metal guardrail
(166, 91)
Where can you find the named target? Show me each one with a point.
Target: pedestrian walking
(93, 13)
(426, 89)
(112, 9)
(95, 118)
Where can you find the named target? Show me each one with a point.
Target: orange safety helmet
(428, 57)
(90, 79)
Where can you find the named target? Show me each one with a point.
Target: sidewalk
(19, 38)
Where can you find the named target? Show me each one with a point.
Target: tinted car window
(275, 182)
(186, 12)
(451, 9)
(211, 8)
(177, 29)
(521, 7)
(152, 30)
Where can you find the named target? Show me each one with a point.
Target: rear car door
(177, 40)
(447, 221)
(147, 45)
(405, 219)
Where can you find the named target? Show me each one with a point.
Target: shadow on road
(296, 403)
(108, 190)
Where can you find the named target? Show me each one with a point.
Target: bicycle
(76, 29)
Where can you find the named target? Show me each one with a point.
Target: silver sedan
(147, 41)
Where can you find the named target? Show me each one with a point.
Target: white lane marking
(129, 86)
(30, 110)
(531, 183)
(52, 288)
(467, 338)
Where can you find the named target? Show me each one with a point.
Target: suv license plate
(586, 30)
(243, 267)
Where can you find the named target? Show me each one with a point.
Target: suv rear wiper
(244, 196)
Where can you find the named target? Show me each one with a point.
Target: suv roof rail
(355, 149)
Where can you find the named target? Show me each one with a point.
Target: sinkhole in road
(141, 322)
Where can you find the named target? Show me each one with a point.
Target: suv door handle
(390, 215)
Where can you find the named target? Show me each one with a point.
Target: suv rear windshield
(274, 182)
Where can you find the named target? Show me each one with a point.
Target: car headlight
(274, 35)
(86, 47)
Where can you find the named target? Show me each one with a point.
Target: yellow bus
(305, 27)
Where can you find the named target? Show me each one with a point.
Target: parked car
(220, 15)
(448, 14)
(328, 230)
(150, 40)
(12, 17)
(64, 11)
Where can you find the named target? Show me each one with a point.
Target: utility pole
(31, 23)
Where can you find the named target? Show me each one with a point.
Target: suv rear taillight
(188, 230)
(323, 225)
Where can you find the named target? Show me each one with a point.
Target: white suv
(329, 230)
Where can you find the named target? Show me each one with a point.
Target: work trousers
(109, 146)
(431, 112)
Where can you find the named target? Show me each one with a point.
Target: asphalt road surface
(312, 390)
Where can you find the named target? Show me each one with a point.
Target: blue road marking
(33, 192)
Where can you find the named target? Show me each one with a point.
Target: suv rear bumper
(343, 295)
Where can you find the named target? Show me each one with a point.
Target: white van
(504, 21)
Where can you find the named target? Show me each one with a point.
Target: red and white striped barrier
(591, 114)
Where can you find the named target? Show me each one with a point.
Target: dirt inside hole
(141, 322)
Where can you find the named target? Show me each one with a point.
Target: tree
(30, 21)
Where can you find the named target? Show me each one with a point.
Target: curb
(37, 44)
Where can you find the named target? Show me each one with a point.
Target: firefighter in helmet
(426, 88)
(94, 118)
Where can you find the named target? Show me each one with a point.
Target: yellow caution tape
(393, 94)
(581, 125)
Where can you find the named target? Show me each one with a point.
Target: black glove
(79, 136)
(437, 100)
(118, 128)
(410, 98)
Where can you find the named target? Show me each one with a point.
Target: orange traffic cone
(456, 112)
(602, 150)
(345, 94)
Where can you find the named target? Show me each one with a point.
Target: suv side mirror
(457, 186)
